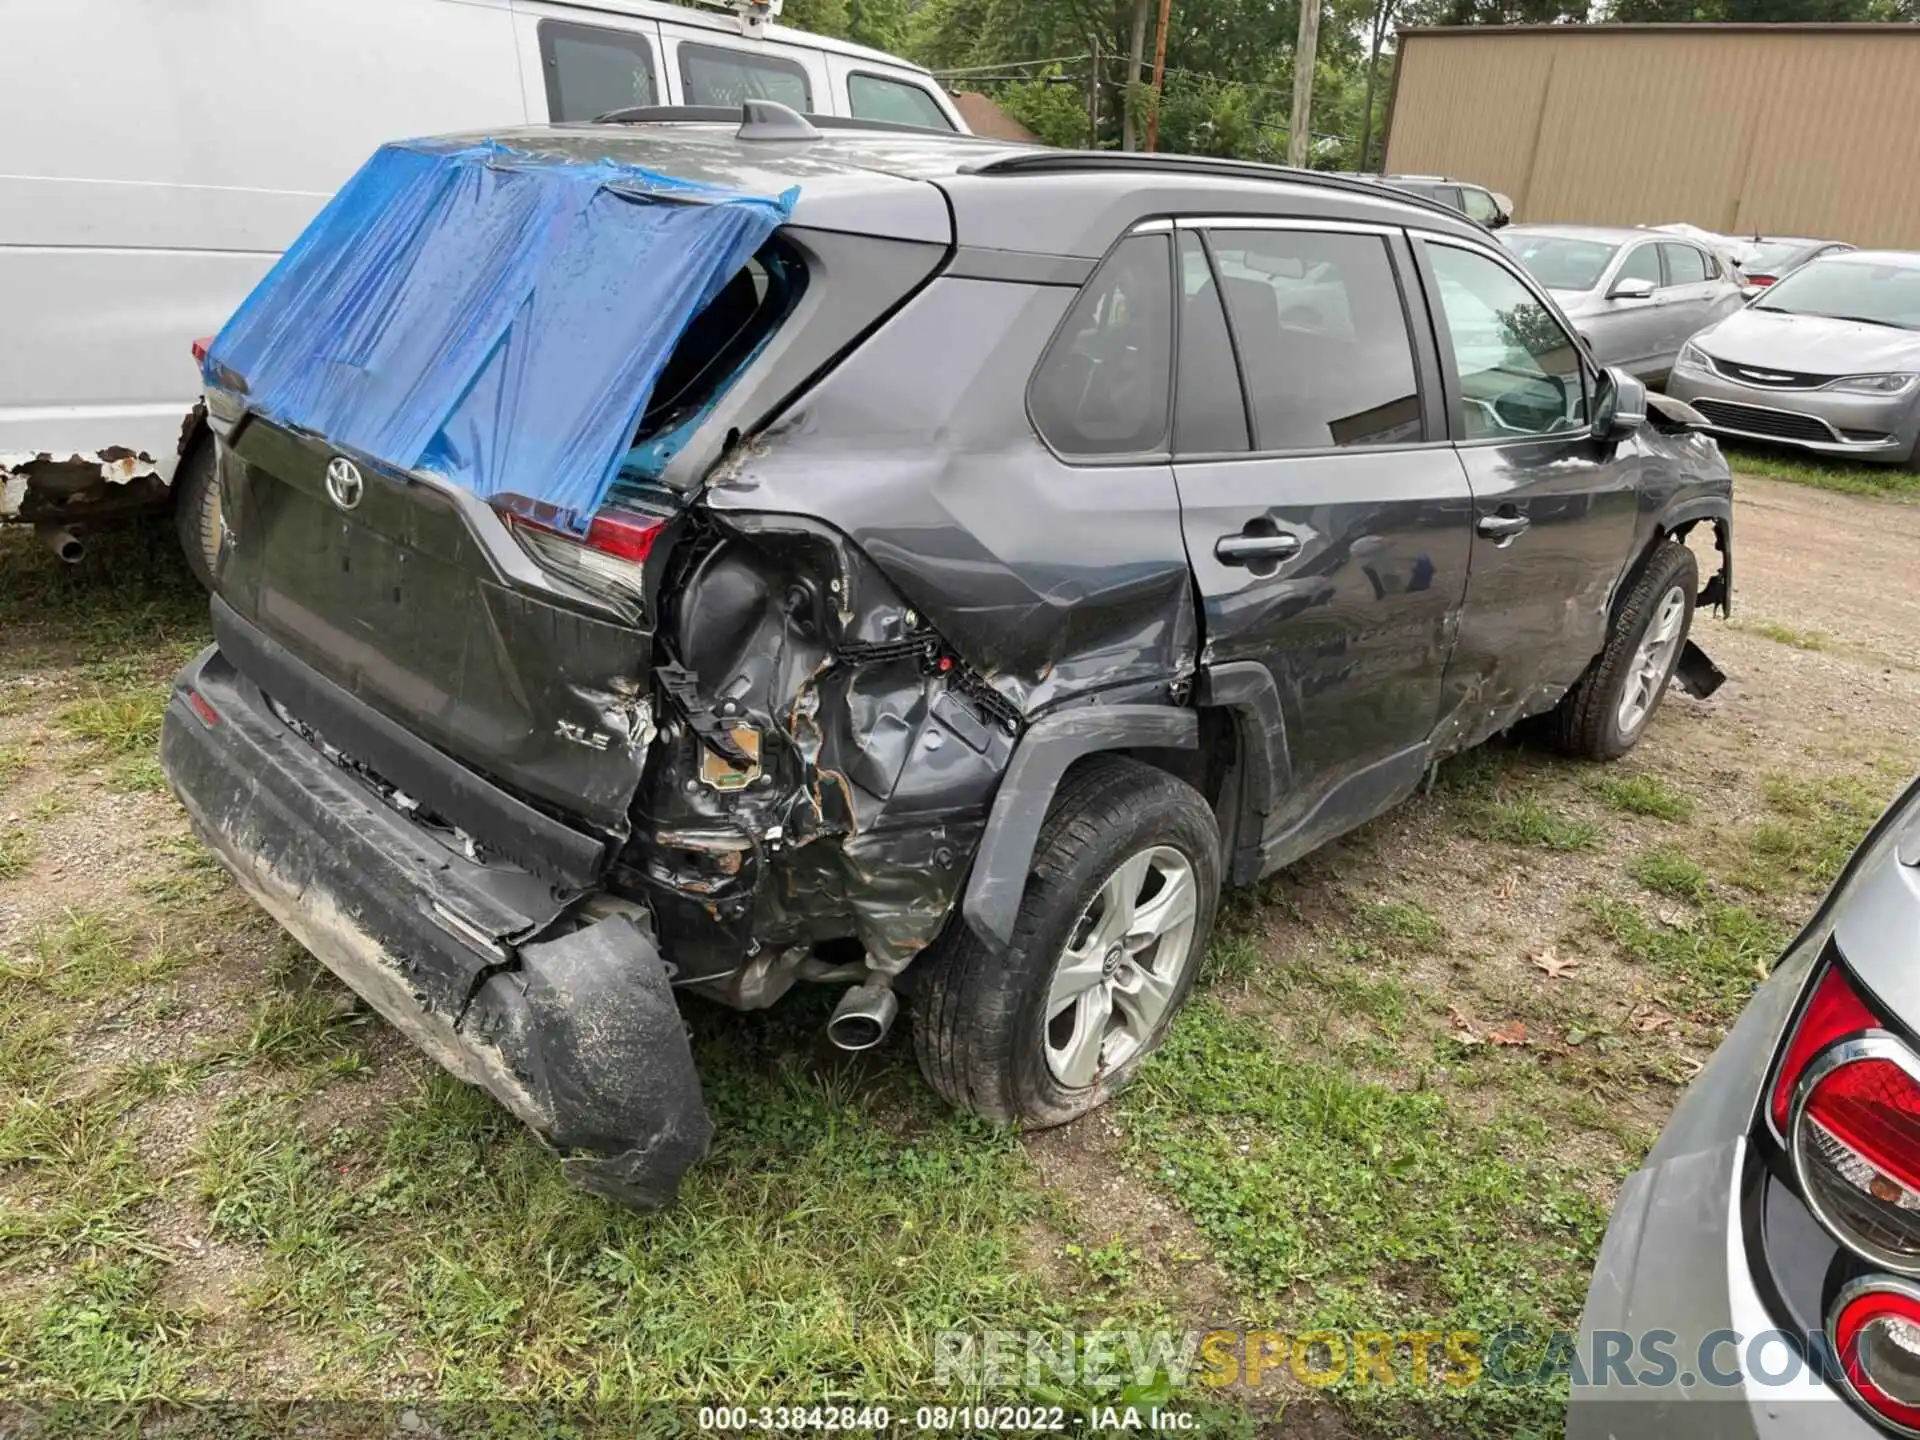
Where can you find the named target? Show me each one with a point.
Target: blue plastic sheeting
(488, 314)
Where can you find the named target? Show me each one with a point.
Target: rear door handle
(1250, 549)
(1502, 527)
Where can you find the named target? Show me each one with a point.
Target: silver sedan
(1827, 360)
(1633, 295)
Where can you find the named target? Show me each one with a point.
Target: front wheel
(1603, 716)
(1117, 913)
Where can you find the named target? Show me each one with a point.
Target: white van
(156, 158)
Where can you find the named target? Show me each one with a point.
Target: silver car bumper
(1673, 1280)
(1826, 422)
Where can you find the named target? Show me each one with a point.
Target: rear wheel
(1116, 916)
(196, 509)
(1603, 716)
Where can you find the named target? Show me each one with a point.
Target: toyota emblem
(344, 485)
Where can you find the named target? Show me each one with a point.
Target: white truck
(158, 158)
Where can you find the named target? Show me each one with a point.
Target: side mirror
(1619, 405)
(1633, 289)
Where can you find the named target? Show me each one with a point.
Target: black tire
(980, 1026)
(1588, 723)
(196, 509)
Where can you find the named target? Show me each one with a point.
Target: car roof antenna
(770, 120)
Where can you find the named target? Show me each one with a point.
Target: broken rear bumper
(579, 1036)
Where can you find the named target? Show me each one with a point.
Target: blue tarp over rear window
(487, 314)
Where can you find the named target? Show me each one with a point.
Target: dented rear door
(417, 600)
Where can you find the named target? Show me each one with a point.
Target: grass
(1712, 960)
(1667, 870)
(1641, 795)
(1528, 820)
(1878, 481)
(115, 726)
(88, 955)
(13, 764)
(1817, 823)
(1404, 924)
(1339, 1203)
(17, 849)
(1786, 635)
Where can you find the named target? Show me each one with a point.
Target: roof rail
(753, 15)
(1055, 162)
(736, 115)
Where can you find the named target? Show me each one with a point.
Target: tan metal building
(1778, 129)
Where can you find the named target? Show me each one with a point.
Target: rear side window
(1322, 338)
(898, 102)
(590, 71)
(710, 75)
(1101, 388)
(1685, 265)
(712, 351)
(1209, 412)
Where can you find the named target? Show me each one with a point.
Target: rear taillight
(200, 348)
(608, 560)
(1833, 1012)
(1874, 1327)
(1847, 1103)
(1762, 281)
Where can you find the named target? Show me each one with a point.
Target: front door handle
(1252, 549)
(1502, 527)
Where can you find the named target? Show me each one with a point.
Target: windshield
(1850, 290)
(1560, 263)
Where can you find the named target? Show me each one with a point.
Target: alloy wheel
(1653, 660)
(1117, 977)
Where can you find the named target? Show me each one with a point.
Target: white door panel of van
(109, 363)
(135, 218)
(887, 92)
(715, 67)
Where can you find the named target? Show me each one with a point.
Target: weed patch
(1641, 795)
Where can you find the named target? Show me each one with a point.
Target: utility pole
(1159, 73)
(1093, 97)
(1300, 132)
(1136, 57)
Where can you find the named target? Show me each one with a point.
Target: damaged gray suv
(974, 562)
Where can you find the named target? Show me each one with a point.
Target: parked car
(1767, 258)
(919, 618)
(1826, 360)
(1479, 204)
(134, 222)
(1758, 1274)
(1634, 296)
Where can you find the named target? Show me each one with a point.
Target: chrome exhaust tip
(863, 1017)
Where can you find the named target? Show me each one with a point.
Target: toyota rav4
(703, 553)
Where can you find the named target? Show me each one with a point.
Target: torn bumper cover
(578, 1035)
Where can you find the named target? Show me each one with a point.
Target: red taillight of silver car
(1846, 1102)
(1874, 1327)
